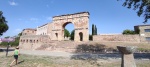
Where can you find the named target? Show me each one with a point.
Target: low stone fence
(118, 37)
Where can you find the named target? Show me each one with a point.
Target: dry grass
(46, 61)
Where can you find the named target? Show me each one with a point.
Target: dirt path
(46, 53)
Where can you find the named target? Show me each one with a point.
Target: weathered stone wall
(32, 41)
(142, 30)
(29, 31)
(118, 37)
(143, 33)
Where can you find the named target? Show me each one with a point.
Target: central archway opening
(81, 36)
(56, 34)
(68, 30)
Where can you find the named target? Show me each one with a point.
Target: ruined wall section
(32, 41)
(117, 38)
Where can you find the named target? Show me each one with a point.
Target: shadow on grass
(21, 62)
(100, 51)
(4, 49)
(91, 53)
(96, 48)
(94, 52)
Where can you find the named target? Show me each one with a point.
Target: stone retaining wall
(32, 41)
(118, 37)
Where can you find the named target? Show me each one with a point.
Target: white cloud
(49, 18)
(17, 30)
(47, 6)
(19, 19)
(34, 19)
(13, 3)
(52, 1)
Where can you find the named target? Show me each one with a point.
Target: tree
(15, 43)
(127, 31)
(66, 33)
(72, 34)
(93, 29)
(20, 34)
(3, 24)
(7, 37)
(143, 7)
(90, 37)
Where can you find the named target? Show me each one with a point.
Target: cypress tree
(93, 29)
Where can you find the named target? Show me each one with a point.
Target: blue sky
(108, 15)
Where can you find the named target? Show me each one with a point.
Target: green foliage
(7, 37)
(127, 31)
(66, 33)
(72, 35)
(137, 31)
(20, 34)
(3, 24)
(93, 29)
(143, 7)
(143, 50)
(90, 37)
(15, 43)
(94, 32)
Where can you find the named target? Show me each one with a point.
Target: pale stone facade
(32, 41)
(144, 32)
(42, 30)
(55, 30)
(29, 31)
(80, 22)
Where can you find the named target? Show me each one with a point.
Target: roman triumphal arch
(79, 20)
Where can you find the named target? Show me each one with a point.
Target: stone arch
(79, 20)
(64, 25)
(56, 35)
(81, 36)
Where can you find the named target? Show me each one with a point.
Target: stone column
(127, 56)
